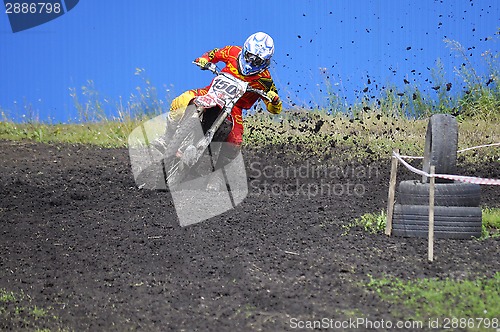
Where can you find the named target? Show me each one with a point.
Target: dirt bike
(207, 119)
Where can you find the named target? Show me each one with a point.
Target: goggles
(254, 60)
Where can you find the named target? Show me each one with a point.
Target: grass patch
(307, 134)
(18, 313)
(372, 223)
(491, 223)
(433, 298)
(104, 134)
(6, 296)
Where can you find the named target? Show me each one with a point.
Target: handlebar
(212, 67)
(209, 66)
(259, 92)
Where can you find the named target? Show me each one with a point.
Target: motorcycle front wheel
(182, 144)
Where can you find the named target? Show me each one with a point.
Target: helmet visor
(254, 60)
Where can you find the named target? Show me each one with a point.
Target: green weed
(480, 97)
(17, 312)
(432, 298)
(6, 296)
(372, 223)
(491, 223)
(38, 312)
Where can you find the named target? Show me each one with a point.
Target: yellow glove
(274, 106)
(202, 62)
(273, 96)
(274, 109)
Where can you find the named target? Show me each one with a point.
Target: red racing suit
(263, 81)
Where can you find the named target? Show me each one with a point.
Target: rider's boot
(162, 142)
(177, 109)
(171, 127)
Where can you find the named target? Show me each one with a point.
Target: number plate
(224, 87)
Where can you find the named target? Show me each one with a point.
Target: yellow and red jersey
(263, 81)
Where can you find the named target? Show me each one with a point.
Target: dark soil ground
(80, 240)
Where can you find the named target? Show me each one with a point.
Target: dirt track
(78, 236)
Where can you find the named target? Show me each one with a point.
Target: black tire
(452, 222)
(414, 192)
(441, 141)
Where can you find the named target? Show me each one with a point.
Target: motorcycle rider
(249, 63)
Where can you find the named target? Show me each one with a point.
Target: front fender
(209, 101)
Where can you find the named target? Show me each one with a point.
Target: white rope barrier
(459, 151)
(411, 157)
(469, 179)
(477, 147)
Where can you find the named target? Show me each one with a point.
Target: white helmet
(256, 54)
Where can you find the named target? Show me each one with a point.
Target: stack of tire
(457, 214)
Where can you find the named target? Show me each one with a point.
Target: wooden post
(392, 191)
(430, 252)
